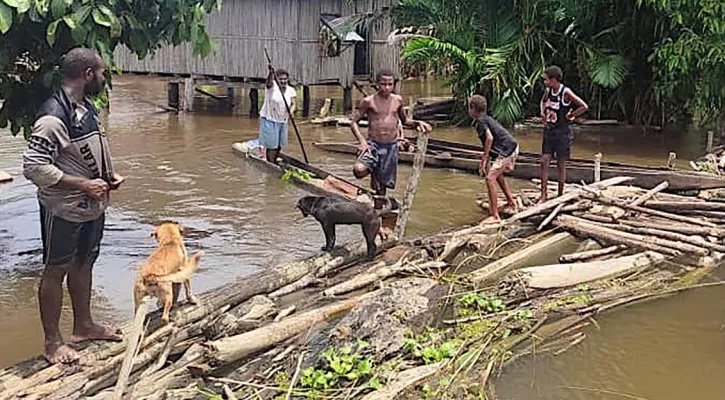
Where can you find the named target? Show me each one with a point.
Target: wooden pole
(710, 135)
(597, 167)
(671, 160)
(230, 96)
(173, 94)
(642, 199)
(132, 348)
(347, 99)
(254, 103)
(412, 188)
(305, 101)
(189, 94)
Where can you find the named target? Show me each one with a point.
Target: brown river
(182, 167)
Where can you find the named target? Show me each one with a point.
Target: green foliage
(344, 365)
(431, 347)
(482, 303)
(34, 34)
(296, 173)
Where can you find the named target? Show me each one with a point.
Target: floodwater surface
(182, 167)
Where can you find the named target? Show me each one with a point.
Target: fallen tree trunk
(644, 210)
(227, 350)
(588, 255)
(642, 199)
(305, 281)
(363, 280)
(566, 275)
(693, 240)
(614, 236)
(685, 206)
(680, 228)
(503, 265)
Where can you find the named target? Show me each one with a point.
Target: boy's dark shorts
(558, 143)
(63, 240)
(382, 162)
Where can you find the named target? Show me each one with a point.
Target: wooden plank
(499, 267)
(412, 187)
(566, 275)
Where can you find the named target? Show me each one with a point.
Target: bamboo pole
(642, 199)
(587, 255)
(656, 213)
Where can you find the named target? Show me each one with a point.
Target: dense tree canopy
(34, 34)
(646, 61)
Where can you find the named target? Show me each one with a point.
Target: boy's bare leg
(561, 164)
(491, 179)
(545, 160)
(510, 202)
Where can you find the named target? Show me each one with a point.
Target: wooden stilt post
(173, 94)
(305, 101)
(671, 160)
(412, 188)
(710, 135)
(347, 99)
(189, 94)
(254, 103)
(597, 167)
(230, 96)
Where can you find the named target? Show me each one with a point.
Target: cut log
(550, 218)
(678, 237)
(663, 246)
(684, 206)
(566, 197)
(330, 266)
(588, 255)
(5, 177)
(649, 211)
(642, 199)
(412, 187)
(363, 280)
(305, 281)
(452, 248)
(403, 380)
(132, 348)
(235, 348)
(566, 275)
(499, 267)
(680, 228)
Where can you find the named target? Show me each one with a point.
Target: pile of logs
(239, 337)
(713, 162)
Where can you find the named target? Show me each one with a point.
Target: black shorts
(557, 143)
(64, 240)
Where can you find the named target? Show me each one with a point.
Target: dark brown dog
(330, 212)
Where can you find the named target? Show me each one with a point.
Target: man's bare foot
(542, 199)
(491, 220)
(97, 332)
(384, 233)
(512, 208)
(60, 353)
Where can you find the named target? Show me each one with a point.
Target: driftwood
(617, 237)
(685, 206)
(678, 237)
(412, 188)
(550, 218)
(363, 280)
(234, 348)
(132, 349)
(565, 275)
(305, 281)
(403, 380)
(680, 228)
(649, 211)
(588, 255)
(285, 313)
(503, 265)
(642, 199)
(566, 197)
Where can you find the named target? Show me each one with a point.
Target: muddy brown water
(182, 167)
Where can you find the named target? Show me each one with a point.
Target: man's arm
(409, 122)
(582, 107)
(292, 105)
(48, 138)
(542, 105)
(270, 76)
(359, 113)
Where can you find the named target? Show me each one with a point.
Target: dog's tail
(389, 206)
(184, 274)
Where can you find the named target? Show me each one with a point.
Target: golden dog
(166, 269)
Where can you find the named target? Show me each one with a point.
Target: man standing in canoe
(69, 160)
(273, 127)
(498, 146)
(378, 154)
(556, 113)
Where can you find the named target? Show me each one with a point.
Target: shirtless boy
(556, 112)
(378, 154)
